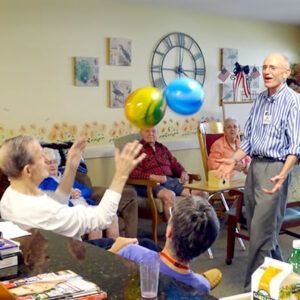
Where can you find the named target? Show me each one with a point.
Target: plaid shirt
(159, 162)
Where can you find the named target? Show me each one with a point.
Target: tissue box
(215, 182)
(275, 280)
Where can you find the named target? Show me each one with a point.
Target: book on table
(8, 247)
(55, 285)
(9, 251)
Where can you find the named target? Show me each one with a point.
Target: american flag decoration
(224, 74)
(254, 73)
(240, 77)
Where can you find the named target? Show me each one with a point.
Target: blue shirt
(138, 253)
(279, 136)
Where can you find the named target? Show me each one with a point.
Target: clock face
(177, 55)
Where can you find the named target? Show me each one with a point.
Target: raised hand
(75, 152)
(129, 158)
(126, 161)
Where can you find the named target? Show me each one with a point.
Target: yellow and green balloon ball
(145, 107)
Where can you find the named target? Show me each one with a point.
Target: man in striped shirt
(272, 139)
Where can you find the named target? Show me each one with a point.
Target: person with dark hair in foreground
(192, 228)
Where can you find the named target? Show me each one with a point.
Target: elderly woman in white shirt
(22, 160)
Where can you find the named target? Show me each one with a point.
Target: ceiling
(282, 11)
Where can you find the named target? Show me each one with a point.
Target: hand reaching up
(75, 152)
(126, 161)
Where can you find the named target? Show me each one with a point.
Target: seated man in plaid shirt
(160, 165)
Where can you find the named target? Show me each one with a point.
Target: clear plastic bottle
(294, 259)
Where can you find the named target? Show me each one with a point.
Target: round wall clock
(177, 55)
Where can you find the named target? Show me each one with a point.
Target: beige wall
(39, 39)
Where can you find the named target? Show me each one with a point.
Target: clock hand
(179, 56)
(190, 71)
(170, 69)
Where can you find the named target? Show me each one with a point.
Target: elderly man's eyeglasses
(272, 68)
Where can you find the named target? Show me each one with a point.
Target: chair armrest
(193, 177)
(145, 182)
(149, 184)
(293, 204)
(97, 193)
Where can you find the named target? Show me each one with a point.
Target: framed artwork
(253, 78)
(226, 93)
(229, 57)
(86, 70)
(119, 91)
(119, 52)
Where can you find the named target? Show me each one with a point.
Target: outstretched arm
(227, 164)
(73, 160)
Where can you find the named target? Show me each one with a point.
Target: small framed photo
(229, 57)
(86, 70)
(226, 93)
(119, 91)
(119, 52)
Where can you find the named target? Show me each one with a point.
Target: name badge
(267, 118)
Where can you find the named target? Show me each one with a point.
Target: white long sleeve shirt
(43, 212)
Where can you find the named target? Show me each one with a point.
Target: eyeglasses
(272, 68)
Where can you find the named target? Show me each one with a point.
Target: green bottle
(294, 259)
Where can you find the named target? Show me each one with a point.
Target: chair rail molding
(108, 151)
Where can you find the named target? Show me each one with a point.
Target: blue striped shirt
(281, 136)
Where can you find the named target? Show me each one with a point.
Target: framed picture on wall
(229, 57)
(119, 91)
(86, 71)
(226, 93)
(119, 52)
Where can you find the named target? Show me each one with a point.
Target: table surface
(44, 251)
(203, 186)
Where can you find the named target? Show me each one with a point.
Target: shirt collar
(275, 96)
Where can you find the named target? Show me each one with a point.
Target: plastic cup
(149, 275)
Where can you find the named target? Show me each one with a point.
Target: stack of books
(9, 251)
(55, 285)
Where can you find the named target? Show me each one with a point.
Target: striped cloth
(281, 136)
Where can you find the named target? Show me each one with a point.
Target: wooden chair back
(208, 133)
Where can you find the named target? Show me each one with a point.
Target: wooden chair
(150, 207)
(236, 218)
(208, 133)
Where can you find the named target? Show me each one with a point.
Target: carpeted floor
(233, 275)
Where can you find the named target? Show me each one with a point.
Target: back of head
(195, 227)
(14, 155)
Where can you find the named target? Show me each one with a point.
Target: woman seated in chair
(80, 194)
(225, 146)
